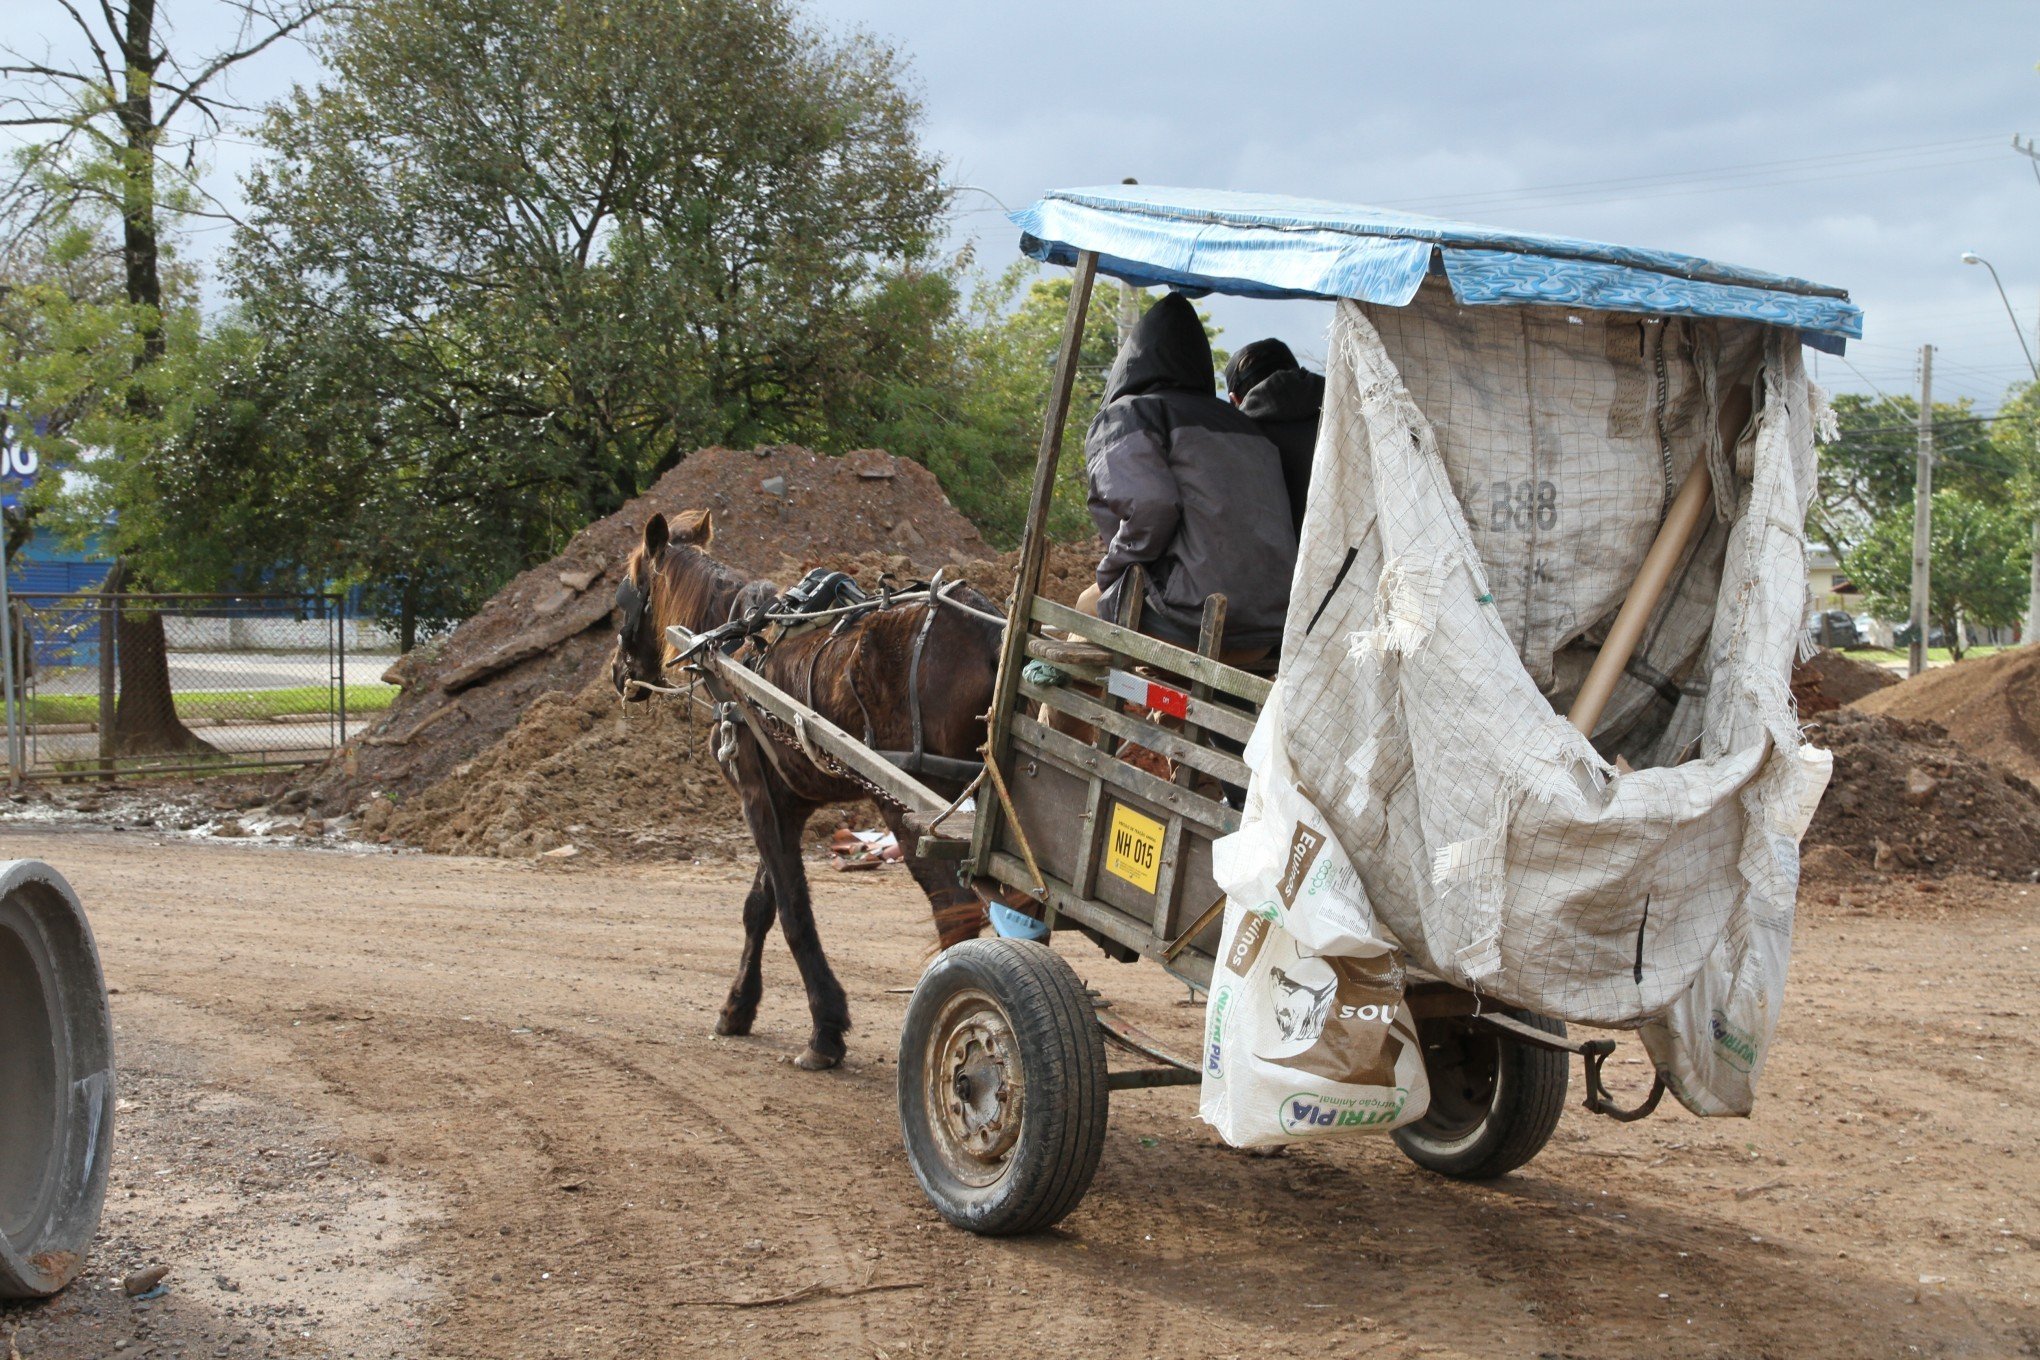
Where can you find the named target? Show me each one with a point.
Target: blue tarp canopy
(1263, 245)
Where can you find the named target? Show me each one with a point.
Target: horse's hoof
(813, 1059)
(732, 1025)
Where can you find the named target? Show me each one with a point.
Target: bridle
(632, 602)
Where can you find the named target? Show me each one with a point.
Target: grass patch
(1879, 656)
(258, 704)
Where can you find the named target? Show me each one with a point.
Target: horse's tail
(963, 918)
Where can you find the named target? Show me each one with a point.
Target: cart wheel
(1494, 1102)
(1003, 1100)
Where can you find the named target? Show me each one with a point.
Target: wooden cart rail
(1124, 853)
(808, 726)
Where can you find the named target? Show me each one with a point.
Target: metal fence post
(109, 616)
(7, 660)
(340, 659)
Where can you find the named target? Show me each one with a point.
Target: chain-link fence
(131, 683)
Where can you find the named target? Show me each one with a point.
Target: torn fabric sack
(1486, 484)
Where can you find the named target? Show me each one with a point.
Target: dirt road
(411, 1106)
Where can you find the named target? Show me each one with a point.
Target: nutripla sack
(1306, 1032)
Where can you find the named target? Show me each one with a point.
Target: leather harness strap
(919, 753)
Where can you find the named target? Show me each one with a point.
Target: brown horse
(857, 676)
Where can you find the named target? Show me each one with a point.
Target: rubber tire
(56, 1082)
(1061, 1055)
(1523, 1108)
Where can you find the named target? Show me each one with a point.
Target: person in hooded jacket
(1188, 488)
(1285, 400)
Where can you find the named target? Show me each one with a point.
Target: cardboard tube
(1688, 509)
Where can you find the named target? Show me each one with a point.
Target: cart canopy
(1270, 246)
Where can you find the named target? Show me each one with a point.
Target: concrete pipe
(56, 1081)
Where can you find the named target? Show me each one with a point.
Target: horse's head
(647, 593)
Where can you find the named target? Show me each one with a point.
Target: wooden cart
(1003, 1077)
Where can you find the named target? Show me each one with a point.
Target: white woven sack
(1306, 1033)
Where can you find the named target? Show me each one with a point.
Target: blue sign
(19, 464)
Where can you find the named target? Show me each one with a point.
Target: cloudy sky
(1865, 145)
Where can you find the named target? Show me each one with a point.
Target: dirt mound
(1831, 679)
(777, 511)
(508, 740)
(576, 771)
(1991, 704)
(1906, 798)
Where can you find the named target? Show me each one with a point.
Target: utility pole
(1923, 500)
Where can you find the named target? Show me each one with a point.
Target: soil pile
(578, 771)
(1906, 798)
(1990, 704)
(1831, 679)
(778, 510)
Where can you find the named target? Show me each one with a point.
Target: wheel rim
(1463, 1067)
(976, 1088)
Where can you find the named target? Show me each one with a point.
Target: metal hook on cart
(1596, 1052)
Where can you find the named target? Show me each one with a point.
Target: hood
(1293, 394)
(1168, 350)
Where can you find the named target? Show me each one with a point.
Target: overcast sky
(1647, 125)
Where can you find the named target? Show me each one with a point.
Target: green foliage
(603, 231)
(1866, 476)
(1978, 566)
(985, 442)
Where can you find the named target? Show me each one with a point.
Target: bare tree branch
(283, 29)
(105, 66)
(51, 72)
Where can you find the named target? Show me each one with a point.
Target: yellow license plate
(1133, 848)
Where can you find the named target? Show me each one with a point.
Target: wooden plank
(1165, 879)
(756, 689)
(1168, 656)
(1086, 875)
(1217, 717)
(1034, 540)
(1067, 655)
(1108, 718)
(1210, 629)
(1074, 756)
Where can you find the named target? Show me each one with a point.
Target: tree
(1979, 556)
(986, 450)
(114, 120)
(576, 239)
(1867, 474)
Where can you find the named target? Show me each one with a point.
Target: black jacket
(1187, 487)
(1286, 406)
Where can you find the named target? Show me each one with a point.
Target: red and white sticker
(1140, 690)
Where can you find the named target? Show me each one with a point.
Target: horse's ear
(655, 535)
(695, 528)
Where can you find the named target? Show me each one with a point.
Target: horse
(860, 676)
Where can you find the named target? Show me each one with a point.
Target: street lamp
(1971, 257)
(2033, 577)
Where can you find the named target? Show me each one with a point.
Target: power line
(1871, 161)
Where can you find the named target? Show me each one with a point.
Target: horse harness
(825, 597)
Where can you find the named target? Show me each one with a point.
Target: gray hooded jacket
(1187, 487)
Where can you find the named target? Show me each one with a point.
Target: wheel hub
(976, 1088)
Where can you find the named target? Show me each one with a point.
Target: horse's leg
(776, 817)
(959, 914)
(828, 1008)
(741, 1008)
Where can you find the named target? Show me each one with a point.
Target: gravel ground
(397, 1105)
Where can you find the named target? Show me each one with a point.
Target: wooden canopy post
(1033, 546)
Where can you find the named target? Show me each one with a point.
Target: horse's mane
(688, 587)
